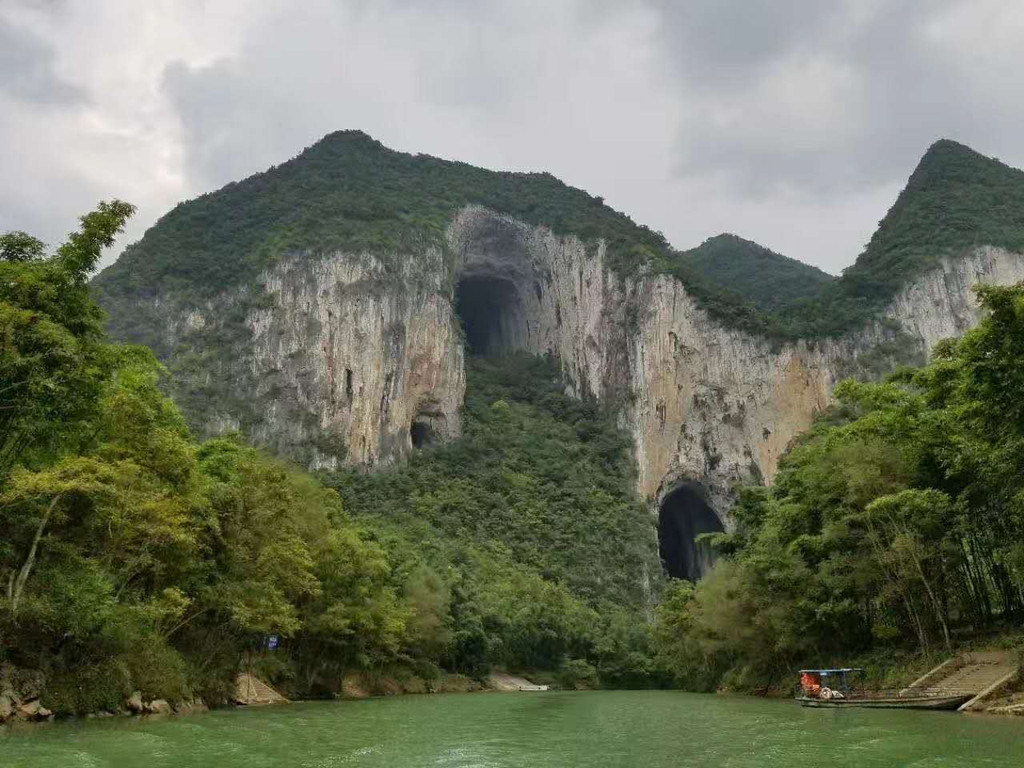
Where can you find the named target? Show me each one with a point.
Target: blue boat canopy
(831, 671)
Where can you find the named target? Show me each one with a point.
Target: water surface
(647, 729)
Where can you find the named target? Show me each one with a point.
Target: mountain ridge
(349, 192)
(761, 276)
(956, 199)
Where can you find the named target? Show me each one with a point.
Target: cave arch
(501, 295)
(492, 312)
(683, 515)
(428, 425)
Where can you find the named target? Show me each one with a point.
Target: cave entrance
(492, 314)
(684, 515)
(427, 425)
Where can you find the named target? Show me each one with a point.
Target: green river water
(632, 728)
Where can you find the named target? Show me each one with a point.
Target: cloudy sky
(791, 122)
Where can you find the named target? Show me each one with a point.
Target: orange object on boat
(811, 683)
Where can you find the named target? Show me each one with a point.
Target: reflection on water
(647, 729)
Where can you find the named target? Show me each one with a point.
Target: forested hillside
(349, 192)
(136, 559)
(765, 279)
(956, 199)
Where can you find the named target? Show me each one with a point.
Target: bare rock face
(33, 710)
(158, 707)
(8, 704)
(719, 406)
(331, 359)
(135, 704)
(359, 358)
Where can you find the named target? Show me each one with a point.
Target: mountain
(327, 308)
(350, 192)
(955, 200)
(760, 276)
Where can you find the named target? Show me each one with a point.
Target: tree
(53, 358)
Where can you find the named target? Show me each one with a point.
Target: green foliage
(545, 474)
(577, 674)
(346, 192)
(52, 357)
(896, 520)
(765, 279)
(531, 514)
(137, 559)
(134, 559)
(955, 200)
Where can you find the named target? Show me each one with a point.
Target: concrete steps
(251, 690)
(980, 674)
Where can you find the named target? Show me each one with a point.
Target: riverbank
(29, 708)
(992, 663)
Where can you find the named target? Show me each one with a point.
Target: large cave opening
(684, 515)
(492, 313)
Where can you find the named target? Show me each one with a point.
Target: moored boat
(841, 688)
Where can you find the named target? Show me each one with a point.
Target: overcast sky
(792, 122)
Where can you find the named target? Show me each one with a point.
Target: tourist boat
(838, 688)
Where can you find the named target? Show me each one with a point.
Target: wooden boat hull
(907, 702)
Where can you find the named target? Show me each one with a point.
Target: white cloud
(792, 123)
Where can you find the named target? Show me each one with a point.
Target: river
(645, 729)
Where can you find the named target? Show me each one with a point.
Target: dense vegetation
(348, 191)
(547, 480)
(134, 558)
(956, 199)
(765, 279)
(899, 519)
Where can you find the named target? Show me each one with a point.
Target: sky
(794, 123)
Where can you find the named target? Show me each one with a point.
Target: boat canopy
(844, 671)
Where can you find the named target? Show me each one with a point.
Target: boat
(844, 687)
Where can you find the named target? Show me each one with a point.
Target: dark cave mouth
(684, 514)
(429, 425)
(491, 312)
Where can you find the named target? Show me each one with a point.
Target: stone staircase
(251, 690)
(980, 674)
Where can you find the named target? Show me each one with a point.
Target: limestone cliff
(718, 406)
(356, 357)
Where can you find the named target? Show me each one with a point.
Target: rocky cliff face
(719, 406)
(358, 357)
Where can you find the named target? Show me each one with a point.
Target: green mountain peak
(760, 276)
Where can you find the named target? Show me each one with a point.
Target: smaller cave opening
(427, 425)
(422, 433)
(491, 312)
(684, 514)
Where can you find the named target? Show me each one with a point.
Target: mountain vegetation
(349, 192)
(755, 274)
(898, 520)
(956, 199)
(135, 558)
